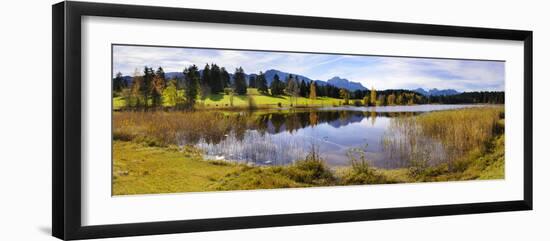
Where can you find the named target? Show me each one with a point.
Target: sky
(380, 72)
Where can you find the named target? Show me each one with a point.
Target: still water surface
(281, 137)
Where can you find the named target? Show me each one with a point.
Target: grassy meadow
(220, 101)
(148, 157)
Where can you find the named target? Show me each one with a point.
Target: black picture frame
(66, 128)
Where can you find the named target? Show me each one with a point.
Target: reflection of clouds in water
(256, 148)
(282, 138)
(285, 147)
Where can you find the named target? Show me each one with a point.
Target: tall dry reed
(442, 135)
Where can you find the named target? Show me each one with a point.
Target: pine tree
(240, 81)
(160, 73)
(225, 78)
(252, 82)
(118, 82)
(146, 87)
(191, 85)
(276, 86)
(205, 82)
(262, 83)
(216, 81)
(303, 89)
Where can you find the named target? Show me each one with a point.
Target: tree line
(151, 88)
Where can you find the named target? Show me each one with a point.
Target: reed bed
(174, 128)
(442, 136)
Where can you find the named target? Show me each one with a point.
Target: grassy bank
(146, 158)
(142, 169)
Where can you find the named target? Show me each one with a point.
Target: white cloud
(380, 72)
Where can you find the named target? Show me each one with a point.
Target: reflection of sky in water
(352, 127)
(332, 140)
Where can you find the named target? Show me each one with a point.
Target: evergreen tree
(160, 73)
(118, 82)
(225, 78)
(147, 86)
(240, 81)
(318, 90)
(304, 90)
(358, 94)
(276, 86)
(252, 82)
(205, 82)
(261, 83)
(216, 81)
(191, 85)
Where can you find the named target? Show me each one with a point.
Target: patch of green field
(118, 103)
(263, 101)
(242, 101)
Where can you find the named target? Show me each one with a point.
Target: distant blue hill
(436, 92)
(344, 83)
(334, 81)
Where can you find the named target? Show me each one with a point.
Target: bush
(309, 171)
(361, 171)
(417, 168)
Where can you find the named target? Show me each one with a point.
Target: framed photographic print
(170, 120)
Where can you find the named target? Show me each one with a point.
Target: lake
(280, 137)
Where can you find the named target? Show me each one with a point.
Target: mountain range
(436, 92)
(334, 81)
(270, 74)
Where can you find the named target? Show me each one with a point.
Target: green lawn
(223, 100)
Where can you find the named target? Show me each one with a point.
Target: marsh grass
(442, 136)
(149, 157)
(161, 128)
(361, 171)
(311, 170)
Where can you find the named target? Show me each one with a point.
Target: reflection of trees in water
(238, 124)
